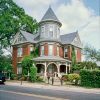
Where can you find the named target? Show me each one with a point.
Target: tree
(26, 64)
(91, 53)
(33, 73)
(12, 19)
(5, 65)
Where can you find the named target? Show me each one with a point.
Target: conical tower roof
(50, 16)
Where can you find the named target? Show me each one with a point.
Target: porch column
(45, 68)
(66, 69)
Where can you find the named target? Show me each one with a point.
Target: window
(31, 48)
(19, 53)
(50, 50)
(51, 31)
(19, 69)
(57, 51)
(42, 50)
(65, 52)
(42, 30)
(58, 32)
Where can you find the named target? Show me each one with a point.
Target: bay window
(57, 51)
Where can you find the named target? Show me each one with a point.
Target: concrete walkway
(48, 86)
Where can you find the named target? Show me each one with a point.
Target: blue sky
(81, 15)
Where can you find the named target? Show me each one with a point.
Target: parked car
(2, 78)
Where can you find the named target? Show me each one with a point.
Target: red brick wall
(26, 50)
(69, 52)
(78, 55)
(14, 59)
(61, 51)
(46, 49)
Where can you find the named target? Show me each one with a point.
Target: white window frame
(19, 52)
(50, 53)
(65, 52)
(58, 32)
(42, 50)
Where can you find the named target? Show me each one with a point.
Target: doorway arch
(52, 68)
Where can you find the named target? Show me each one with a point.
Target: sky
(75, 15)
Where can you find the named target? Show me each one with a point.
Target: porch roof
(50, 58)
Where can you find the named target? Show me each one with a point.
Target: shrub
(13, 77)
(65, 77)
(33, 73)
(74, 78)
(90, 78)
(39, 79)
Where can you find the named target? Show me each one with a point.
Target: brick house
(54, 49)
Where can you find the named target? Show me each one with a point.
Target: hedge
(90, 78)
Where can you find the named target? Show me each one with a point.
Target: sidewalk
(47, 86)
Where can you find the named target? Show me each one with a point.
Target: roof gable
(71, 38)
(22, 37)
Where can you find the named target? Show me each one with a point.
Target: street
(8, 92)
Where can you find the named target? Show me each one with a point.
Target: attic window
(42, 30)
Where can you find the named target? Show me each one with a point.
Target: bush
(90, 78)
(74, 78)
(13, 77)
(39, 79)
(33, 73)
(65, 77)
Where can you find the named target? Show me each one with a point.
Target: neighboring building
(54, 49)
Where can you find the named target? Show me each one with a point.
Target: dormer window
(51, 31)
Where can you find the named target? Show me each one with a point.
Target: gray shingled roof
(28, 36)
(68, 38)
(50, 58)
(49, 15)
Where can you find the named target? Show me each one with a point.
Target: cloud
(74, 15)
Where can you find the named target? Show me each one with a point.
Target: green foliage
(91, 53)
(5, 64)
(74, 78)
(12, 19)
(65, 77)
(35, 52)
(39, 79)
(33, 74)
(85, 65)
(26, 64)
(73, 59)
(90, 78)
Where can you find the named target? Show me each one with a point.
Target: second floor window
(42, 30)
(50, 50)
(19, 53)
(51, 31)
(42, 50)
(65, 52)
